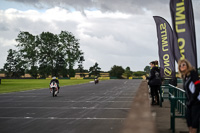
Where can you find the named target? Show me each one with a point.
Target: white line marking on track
(56, 118)
(19, 96)
(63, 108)
(65, 101)
(28, 117)
(125, 82)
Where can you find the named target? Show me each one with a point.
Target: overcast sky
(111, 32)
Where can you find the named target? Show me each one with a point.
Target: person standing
(191, 85)
(154, 82)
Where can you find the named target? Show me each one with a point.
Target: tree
(61, 66)
(80, 66)
(95, 70)
(70, 47)
(15, 65)
(49, 46)
(147, 69)
(28, 48)
(116, 71)
(139, 73)
(58, 53)
(47, 54)
(2, 70)
(9, 66)
(128, 72)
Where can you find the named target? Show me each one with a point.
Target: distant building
(2, 75)
(26, 76)
(86, 75)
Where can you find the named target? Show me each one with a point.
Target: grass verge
(14, 85)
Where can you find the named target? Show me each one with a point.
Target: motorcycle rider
(57, 82)
(96, 80)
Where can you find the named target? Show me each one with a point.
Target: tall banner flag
(165, 47)
(184, 28)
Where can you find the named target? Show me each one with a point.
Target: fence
(177, 99)
(164, 90)
(176, 96)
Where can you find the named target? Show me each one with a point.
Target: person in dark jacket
(154, 82)
(191, 85)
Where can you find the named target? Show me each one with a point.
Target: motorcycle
(54, 88)
(96, 81)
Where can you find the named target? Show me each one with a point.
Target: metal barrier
(177, 102)
(164, 90)
(164, 93)
(178, 108)
(179, 80)
(177, 99)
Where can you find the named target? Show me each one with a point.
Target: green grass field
(14, 85)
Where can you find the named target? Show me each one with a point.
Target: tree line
(44, 54)
(53, 54)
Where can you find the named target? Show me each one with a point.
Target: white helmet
(54, 78)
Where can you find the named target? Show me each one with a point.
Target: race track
(86, 108)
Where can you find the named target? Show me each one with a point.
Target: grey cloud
(157, 7)
(3, 25)
(4, 28)
(128, 6)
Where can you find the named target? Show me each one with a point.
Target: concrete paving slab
(162, 117)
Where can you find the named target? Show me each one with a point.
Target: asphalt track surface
(86, 108)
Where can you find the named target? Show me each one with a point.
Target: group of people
(191, 85)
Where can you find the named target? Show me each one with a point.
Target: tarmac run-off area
(85, 108)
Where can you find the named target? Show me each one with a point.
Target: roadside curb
(140, 119)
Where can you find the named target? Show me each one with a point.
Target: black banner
(165, 46)
(184, 28)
